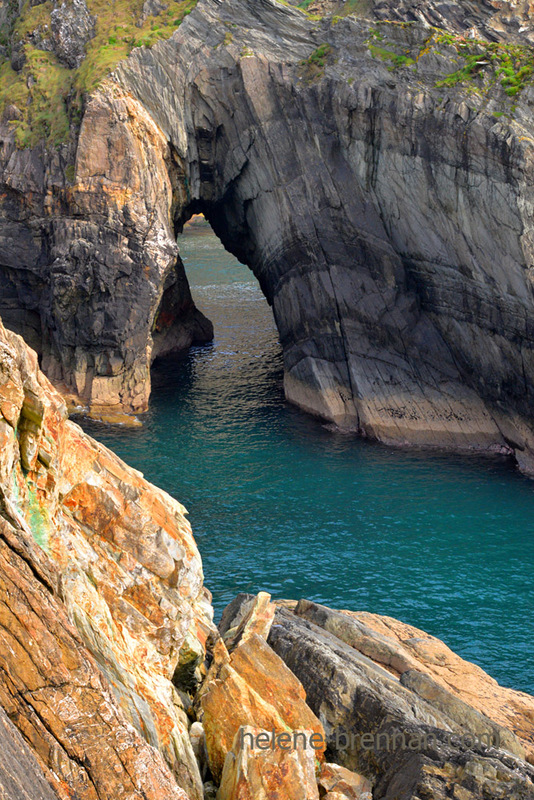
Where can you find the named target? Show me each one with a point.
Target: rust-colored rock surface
(267, 774)
(54, 692)
(252, 687)
(120, 563)
(507, 707)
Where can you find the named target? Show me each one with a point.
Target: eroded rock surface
(264, 774)
(411, 654)
(104, 613)
(384, 207)
(250, 686)
(21, 775)
(410, 744)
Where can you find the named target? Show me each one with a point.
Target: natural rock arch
(389, 227)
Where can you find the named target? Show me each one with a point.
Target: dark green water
(280, 503)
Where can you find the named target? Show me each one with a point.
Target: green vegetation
(388, 55)
(397, 60)
(313, 66)
(490, 62)
(43, 103)
(484, 65)
(319, 56)
(48, 95)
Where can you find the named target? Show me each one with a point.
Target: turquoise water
(278, 502)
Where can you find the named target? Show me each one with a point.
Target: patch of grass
(313, 67)
(49, 95)
(32, 19)
(319, 56)
(397, 60)
(42, 102)
(510, 65)
(377, 50)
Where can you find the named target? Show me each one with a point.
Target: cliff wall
(374, 176)
(104, 617)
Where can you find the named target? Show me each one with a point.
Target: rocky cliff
(375, 176)
(103, 613)
(115, 685)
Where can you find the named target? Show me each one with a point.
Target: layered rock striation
(397, 726)
(374, 176)
(104, 617)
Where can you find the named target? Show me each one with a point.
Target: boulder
(251, 773)
(254, 616)
(378, 728)
(251, 687)
(462, 691)
(508, 708)
(340, 782)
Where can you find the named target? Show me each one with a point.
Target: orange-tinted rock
(507, 707)
(128, 568)
(343, 783)
(54, 692)
(256, 617)
(251, 773)
(251, 687)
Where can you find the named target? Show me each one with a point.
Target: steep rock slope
(376, 180)
(103, 613)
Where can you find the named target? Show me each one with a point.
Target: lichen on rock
(124, 571)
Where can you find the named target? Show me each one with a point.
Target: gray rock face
(491, 19)
(387, 218)
(72, 27)
(409, 747)
(21, 777)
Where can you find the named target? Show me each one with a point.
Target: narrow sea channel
(278, 502)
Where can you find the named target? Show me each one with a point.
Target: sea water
(281, 503)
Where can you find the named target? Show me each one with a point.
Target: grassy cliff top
(45, 97)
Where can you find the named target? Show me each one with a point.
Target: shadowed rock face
(414, 748)
(388, 221)
(21, 775)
